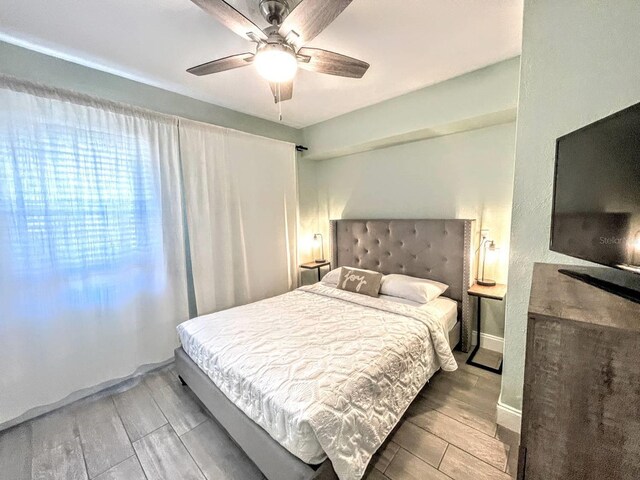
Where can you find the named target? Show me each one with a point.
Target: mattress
(448, 311)
(324, 371)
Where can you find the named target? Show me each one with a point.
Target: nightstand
(496, 292)
(317, 266)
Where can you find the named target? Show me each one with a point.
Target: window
(84, 212)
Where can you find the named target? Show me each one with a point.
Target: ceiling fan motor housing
(276, 44)
(274, 11)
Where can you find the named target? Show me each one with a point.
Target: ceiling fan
(280, 47)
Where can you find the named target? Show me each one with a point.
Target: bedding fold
(325, 372)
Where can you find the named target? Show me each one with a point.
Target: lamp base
(486, 282)
(322, 260)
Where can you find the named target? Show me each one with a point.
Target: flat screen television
(596, 196)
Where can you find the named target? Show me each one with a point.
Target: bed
(310, 383)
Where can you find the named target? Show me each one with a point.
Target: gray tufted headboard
(435, 249)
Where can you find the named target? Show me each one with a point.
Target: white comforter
(326, 372)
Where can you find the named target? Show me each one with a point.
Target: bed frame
(440, 250)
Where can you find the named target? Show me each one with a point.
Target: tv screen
(596, 206)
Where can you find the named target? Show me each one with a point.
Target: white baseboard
(490, 342)
(508, 417)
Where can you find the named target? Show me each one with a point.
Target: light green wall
(467, 175)
(308, 208)
(481, 98)
(462, 175)
(37, 67)
(580, 62)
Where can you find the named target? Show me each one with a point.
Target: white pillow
(332, 277)
(415, 289)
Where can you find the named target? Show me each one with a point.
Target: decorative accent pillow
(333, 277)
(415, 289)
(355, 280)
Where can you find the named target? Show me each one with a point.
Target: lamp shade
(276, 63)
(318, 243)
(490, 253)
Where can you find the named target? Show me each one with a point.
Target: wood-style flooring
(450, 432)
(154, 428)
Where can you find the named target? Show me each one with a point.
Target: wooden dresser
(581, 404)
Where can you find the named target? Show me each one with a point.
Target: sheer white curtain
(92, 259)
(241, 199)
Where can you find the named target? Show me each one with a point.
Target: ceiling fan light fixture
(276, 63)
(281, 45)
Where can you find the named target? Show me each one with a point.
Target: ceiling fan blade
(284, 93)
(324, 61)
(310, 18)
(231, 18)
(222, 64)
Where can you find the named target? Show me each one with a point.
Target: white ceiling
(410, 44)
